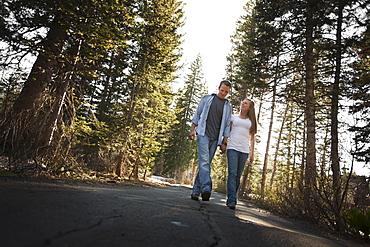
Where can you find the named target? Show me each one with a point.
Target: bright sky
(208, 27)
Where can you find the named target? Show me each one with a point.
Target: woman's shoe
(195, 197)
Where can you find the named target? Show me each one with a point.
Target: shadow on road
(37, 212)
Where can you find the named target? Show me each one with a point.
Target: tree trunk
(292, 164)
(21, 130)
(334, 121)
(265, 162)
(243, 184)
(323, 162)
(310, 171)
(120, 158)
(277, 146)
(304, 161)
(42, 71)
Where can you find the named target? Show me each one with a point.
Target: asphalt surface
(37, 212)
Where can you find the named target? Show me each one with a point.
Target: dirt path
(66, 213)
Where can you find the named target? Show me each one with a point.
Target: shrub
(358, 220)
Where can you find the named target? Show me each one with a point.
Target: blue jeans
(206, 150)
(236, 163)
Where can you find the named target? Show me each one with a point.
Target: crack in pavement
(49, 241)
(218, 236)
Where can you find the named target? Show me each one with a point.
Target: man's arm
(192, 131)
(196, 117)
(227, 130)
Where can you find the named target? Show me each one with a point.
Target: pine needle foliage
(180, 152)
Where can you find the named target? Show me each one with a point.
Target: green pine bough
(360, 221)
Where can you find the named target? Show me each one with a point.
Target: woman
(240, 147)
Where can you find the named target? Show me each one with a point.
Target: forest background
(86, 91)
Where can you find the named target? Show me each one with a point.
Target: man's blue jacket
(200, 117)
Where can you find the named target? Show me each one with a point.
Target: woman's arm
(251, 155)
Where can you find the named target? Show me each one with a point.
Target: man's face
(223, 91)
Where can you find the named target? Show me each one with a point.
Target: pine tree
(147, 107)
(361, 96)
(110, 72)
(296, 43)
(180, 151)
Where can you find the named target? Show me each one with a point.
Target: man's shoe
(231, 205)
(206, 195)
(195, 197)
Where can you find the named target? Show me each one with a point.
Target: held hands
(223, 148)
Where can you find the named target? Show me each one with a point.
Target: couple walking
(214, 124)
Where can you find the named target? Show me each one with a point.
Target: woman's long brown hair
(252, 116)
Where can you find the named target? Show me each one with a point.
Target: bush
(358, 220)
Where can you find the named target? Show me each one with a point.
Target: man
(212, 123)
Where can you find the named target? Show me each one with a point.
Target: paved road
(65, 213)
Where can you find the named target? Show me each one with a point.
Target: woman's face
(245, 105)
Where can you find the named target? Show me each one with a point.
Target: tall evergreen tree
(156, 44)
(112, 68)
(245, 66)
(180, 151)
(47, 94)
(307, 38)
(361, 98)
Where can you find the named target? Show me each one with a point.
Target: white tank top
(239, 135)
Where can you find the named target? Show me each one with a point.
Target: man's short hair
(226, 83)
